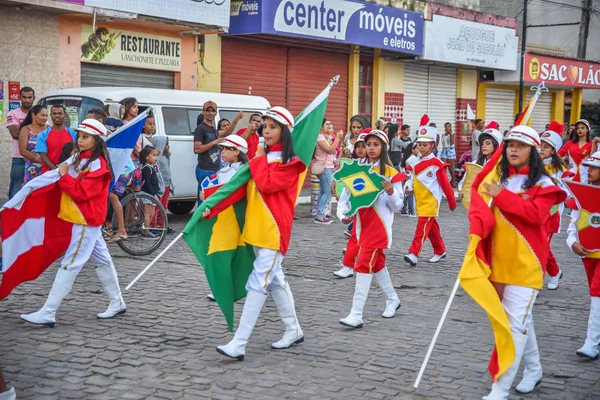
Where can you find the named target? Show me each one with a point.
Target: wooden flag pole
(437, 332)
(158, 257)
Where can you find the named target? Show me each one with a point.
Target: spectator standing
(250, 135)
(357, 123)
(324, 159)
(114, 112)
(14, 119)
(448, 154)
(51, 141)
(32, 126)
(206, 145)
(161, 143)
(403, 144)
(479, 125)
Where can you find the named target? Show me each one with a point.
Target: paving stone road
(164, 346)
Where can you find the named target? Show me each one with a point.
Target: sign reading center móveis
(342, 21)
(130, 49)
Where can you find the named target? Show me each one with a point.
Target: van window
(179, 120)
(77, 107)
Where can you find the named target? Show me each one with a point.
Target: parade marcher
(349, 259)
(275, 172)
(373, 227)
(429, 181)
(85, 178)
(578, 148)
(591, 262)
(551, 143)
(235, 153)
(521, 203)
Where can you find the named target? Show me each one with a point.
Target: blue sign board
(13, 105)
(342, 21)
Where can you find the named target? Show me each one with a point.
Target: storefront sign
(342, 21)
(209, 12)
(2, 92)
(14, 90)
(130, 49)
(561, 71)
(13, 105)
(469, 43)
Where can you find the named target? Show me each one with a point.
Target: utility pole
(584, 28)
(523, 48)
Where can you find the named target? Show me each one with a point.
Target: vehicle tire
(181, 207)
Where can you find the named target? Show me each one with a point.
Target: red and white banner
(33, 236)
(561, 71)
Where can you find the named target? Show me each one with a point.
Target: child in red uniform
(275, 172)
(85, 180)
(351, 251)
(578, 148)
(429, 181)
(373, 228)
(591, 262)
(555, 167)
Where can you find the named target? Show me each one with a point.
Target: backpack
(136, 180)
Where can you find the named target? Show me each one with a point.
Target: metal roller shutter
(264, 76)
(110, 75)
(542, 112)
(431, 90)
(500, 107)
(309, 71)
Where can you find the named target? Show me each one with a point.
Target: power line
(561, 4)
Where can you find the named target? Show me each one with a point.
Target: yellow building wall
(353, 75)
(209, 64)
(394, 77)
(576, 99)
(378, 86)
(466, 85)
(558, 106)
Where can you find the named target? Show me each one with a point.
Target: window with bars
(365, 88)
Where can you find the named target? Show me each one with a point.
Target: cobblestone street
(164, 346)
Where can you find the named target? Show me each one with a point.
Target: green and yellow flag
(217, 242)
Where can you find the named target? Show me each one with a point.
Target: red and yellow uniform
(553, 225)
(576, 156)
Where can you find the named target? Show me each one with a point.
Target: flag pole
(158, 257)
(437, 332)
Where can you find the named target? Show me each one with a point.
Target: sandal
(116, 239)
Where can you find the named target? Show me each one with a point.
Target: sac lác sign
(561, 71)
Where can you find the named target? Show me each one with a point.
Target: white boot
(110, 283)
(532, 374)
(361, 291)
(590, 347)
(284, 301)
(60, 289)
(392, 302)
(501, 387)
(236, 348)
(8, 395)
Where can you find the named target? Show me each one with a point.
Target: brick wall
(29, 43)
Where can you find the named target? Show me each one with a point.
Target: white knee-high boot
(63, 282)
(110, 283)
(236, 348)
(284, 301)
(532, 374)
(590, 347)
(392, 302)
(361, 291)
(501, 387)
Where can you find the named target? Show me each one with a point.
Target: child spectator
(148, 160)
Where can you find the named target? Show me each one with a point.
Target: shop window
(365, 88)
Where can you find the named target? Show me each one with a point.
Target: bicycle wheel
(138, 224)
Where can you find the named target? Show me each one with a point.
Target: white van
(175, 111)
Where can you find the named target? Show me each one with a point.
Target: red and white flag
(33, 236)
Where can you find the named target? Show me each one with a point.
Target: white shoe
(210, 297)
(411, 259)
(344, 272)
(361, 291)
(63, 282)
(590, 347)
(437, 258)
(110, 283)
(553, 281)
(501, 387)
(9, 394)
(347, 233)
(284, 301)
(532, 374)
(236, 348)
(392, 302)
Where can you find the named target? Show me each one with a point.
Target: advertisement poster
(13, 91)
(13, 105)
(1, 111)
(1, 90)
(130, 49)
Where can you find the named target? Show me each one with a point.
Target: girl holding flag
(522, 197)
(275, 172)
(373, 230)
(85, 180)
